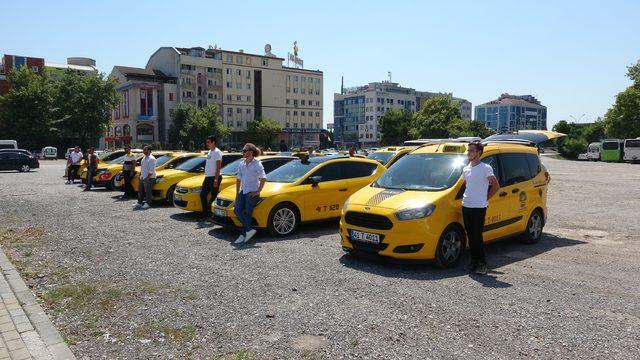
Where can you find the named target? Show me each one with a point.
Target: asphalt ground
(121, 283)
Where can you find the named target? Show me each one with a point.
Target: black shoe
(481, 269)
(471, 267)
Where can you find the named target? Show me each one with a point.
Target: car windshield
(192, 164)
(161, 160)
(291, 171)
(424, 172)
(382, 157)
(231, 168)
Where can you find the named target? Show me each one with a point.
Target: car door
(4, 161)
(323, 200)
(356, 176)
(512, 199)
(495, 210)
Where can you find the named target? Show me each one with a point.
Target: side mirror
(315, 180)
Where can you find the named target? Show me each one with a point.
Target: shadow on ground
(498, 254)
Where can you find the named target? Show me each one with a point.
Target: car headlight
(415, 213)
(344, 207)
(196, 189)
(159, 179)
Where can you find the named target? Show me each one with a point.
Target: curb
(40, 336)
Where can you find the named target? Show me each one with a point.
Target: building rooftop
(70, 66)
(141, 72)
(507, 99)
(215, 53)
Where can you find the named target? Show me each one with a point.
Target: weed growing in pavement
(240, 355)
(178, 335)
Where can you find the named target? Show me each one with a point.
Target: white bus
(8, 144)
(632, 150)
(593, 151)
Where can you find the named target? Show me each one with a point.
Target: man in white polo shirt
(212, 179)
(75, 160)
(480, 185)
(147, 178)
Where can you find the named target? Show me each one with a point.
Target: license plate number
(220, 212)
(177, 197)
(365, 237)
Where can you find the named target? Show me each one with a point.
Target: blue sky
(572, 55)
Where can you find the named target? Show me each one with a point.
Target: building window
(295, 102)
(317, 114)
(146, 102)
(302, 113)
(248, 74)
(288, 113)
(249, 98)
(229, 58)
(35, 69)
(239, 59)
(265, 62)
(288, 77)
(295, 78)
(317, 92)
(239, 72)
(172, 97)
(295, 90)
(248, 111)
(238, 85)
(295, 113)
(229, 111)
(125, 103)
(288, 101)
(302, 102)
(249, 86)
(238, 123)
(239, 110)
(288, 89)
(303, 90)
(210, 95)
(287, 125)
(295, 125)
(303, 79)
(228, 97)
(229, 84)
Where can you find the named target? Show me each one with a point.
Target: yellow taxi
(301, 191)
(166, 161)
(167, 179)
(106, 172)
(413, 211)
(187, 193)
(387, 156)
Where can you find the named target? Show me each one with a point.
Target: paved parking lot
(157, 283)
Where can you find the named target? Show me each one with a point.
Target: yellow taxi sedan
(106, 173)
(167, 161)
(187, 193)
(167, 180)
(387, 156)
(301, 191)
(413, 211)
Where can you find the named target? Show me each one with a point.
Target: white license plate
(365, 237)
(177, 197)
(220, 212)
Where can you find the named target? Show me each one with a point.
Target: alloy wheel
(451, 246)
(284, 221)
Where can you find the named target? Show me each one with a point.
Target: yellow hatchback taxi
(301, 191)
(413, 211)
(106, 173)
(166, 161)
(387, 156)
(187, 193)
(168, 179)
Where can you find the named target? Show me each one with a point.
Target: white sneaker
(250, 234)
(239, 240)
(145, 206)
(137, 206)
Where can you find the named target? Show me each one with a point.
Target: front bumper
(413, 239)
(188, 201)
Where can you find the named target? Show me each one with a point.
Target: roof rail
(510, 141)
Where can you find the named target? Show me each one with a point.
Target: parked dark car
(12, 160)
(22, 151)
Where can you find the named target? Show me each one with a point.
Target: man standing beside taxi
(481, 184)
(128, 171)
(74, 160)
(251, 179)
(212, 179)
(147, 178)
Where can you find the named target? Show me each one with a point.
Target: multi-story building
(143, 113)
(10, 62)
(246, 87)
(513, 112)
(357, 111)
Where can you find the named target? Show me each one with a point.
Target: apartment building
(143, 113)
(11, 62)
(357, 110)
(512, 113)
(246, 87)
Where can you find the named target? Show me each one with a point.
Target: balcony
(141, 117)
(187, 71)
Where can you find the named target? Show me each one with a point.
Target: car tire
(112, 184)
(533, 231)
(283, 220)
(24, 168)
(451, 246)
(169, 197)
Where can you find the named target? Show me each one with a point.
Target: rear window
(352, 170)
(515, 168)
(610, 145)
(382, 157)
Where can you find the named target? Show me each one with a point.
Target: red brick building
(10, 62)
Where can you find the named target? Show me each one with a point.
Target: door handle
(515, 191)
(342, 190)
(503, 194)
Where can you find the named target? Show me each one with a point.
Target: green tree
(181, 113)
(263, 132)
(633, 72)
(623, 118)
(199, 124)
(395, 126)
(25, 111)
(83, 105)
(594, 132)
(464, 128)
(435, 117)
(562, 126)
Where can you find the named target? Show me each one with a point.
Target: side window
(4, 156)
(329, 172)
(515, 168)
(226, 159)
(534, 165)
(269, 166)
(493, 162)
(352, 170)
(178, 162)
